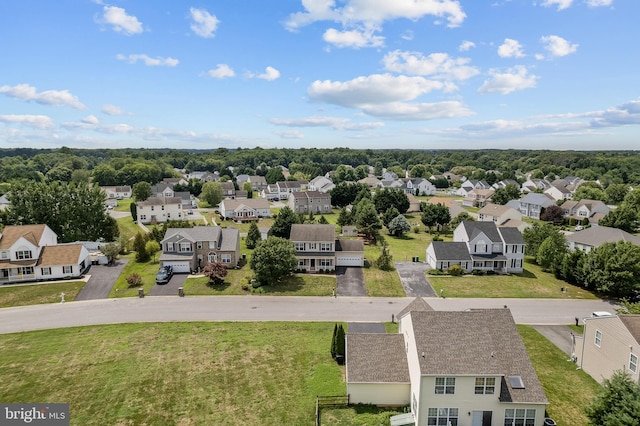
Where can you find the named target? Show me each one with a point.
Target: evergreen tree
(367, 220)
(139, 245)
(282, 224)
(398, 226)
(617, 402)
(253, 236)
(344, 217)
(389, 215)
(133, 208)
(385, 261)
(340, 343)
(323, 220)
(333, 341)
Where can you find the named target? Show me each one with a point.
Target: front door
(313, 265)
(481, 418)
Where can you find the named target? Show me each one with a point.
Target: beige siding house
(244, 210)
(317, 248)
(498, 214)
(159, 209)
(310, 201)
(609, 344)
(467, 368)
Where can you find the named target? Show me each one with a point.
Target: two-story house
(478, 197)
(245, 209)
(159, 209)
(535, 184)
(466, 368)
(609, 344)
(310, 201)
(321, 184)
(317, 248)
(418, 186)
(190, 249)
(479, 246)
(228, 189)
(258, 183)
(593, 210)
(32, 253)
(533, 204)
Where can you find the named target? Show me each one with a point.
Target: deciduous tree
(273, 259)
(212, 193)
(215, 271)
(141, 191)
(398, 226)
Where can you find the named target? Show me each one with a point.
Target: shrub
(437, 237)
(134, 280)
(455, 270)
(435, 272)
(416, 229)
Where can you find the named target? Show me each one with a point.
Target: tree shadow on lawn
(526, 274)
(291, 283)
(219, 287)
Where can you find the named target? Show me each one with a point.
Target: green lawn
(533, 283)
(11, 295)
(295, 285)
(127, 227)
(380, 283)
(175, 373)
(148, 272)
(568, 390)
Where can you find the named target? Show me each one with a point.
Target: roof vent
(516, 382)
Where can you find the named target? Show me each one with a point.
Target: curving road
(273, 308)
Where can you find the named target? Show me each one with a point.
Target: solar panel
(516, 382)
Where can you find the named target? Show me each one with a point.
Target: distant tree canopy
(75, 212)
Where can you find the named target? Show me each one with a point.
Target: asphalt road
(273, 308)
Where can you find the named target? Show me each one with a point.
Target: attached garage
(178, 267)
(345, 260)
(349, 253)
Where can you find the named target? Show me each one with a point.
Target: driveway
(170, 288)
(350, 281)
(101, 281)
(414, 281)
(559, 335)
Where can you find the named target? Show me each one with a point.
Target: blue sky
(411, 74)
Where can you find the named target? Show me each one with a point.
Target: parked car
(164, 275)
(189, 211)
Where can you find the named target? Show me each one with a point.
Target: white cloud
(204, 24)
(336, 123)
(622, 115)
(90, 119)
(148, 60)
(562, 4)
(599, 3)
(384, 95)
(26, 92)
(516, 78)
(290, 134)
(407, 35)
(112, 110)
(375, 12)
(353, 38)
(269, 74)
(510, 49)
(466, 45)
(37, 121)
(221, 71)
(121, 22)
(437, 65)
(405, 111)
(557, 46)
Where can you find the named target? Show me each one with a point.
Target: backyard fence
(329, 401)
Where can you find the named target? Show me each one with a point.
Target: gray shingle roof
(197, 233)
(376, 358)
(476, 342)
(451, 251)
(489, 229)
(598, 235)
(632, 322)
(537, 199)
(229, 239)
(312, 232)
(349, 245)
(417, 304)
(511, 235)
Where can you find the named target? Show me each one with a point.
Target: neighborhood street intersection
(275, 308)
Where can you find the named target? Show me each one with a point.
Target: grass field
(568, 390)
(380, 283)
(533, 283)
(11, 295)
(220, 373)
(175, 374)
(148, 272)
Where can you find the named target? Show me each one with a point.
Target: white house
(532, 204)
(467, 368)
(246, 209)
(159, 209)
(479, 246)
(32, 253)
(321, 184)
(117, 192)
(418, 186)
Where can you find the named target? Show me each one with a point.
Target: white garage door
(349, 261)
(178, 267)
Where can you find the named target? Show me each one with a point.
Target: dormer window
(23, 254)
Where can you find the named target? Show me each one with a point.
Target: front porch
(492, 262)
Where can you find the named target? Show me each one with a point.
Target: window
(67, 269)
(25, 270)
(325, 246)
(598, 340)
(312, 246)
(170, 247)
(519, 417)
(445, 385)
(326, 262)
(4, 255)
(485, 386)
(633, 363)
(23, 254)
(226, 258)
(185, 246)
(213, 257)
(45, 271)
(442, 416)
(199, 244)
(143, 217)
(299, 246)
(301, 263)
